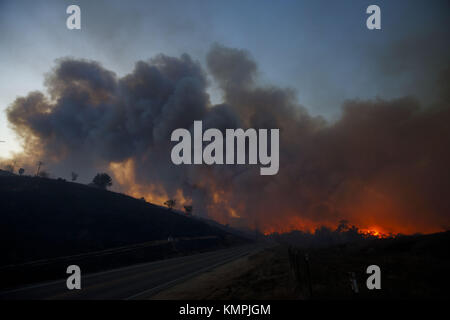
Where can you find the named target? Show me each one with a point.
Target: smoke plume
(382, 164)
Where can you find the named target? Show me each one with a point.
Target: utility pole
(39, 168)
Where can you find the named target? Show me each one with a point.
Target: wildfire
(374, 232)
(220, 210)
(124, 173)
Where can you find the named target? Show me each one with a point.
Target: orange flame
(219, 209)
(375, 232)
(124, 174)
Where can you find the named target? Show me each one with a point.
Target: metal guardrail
(105, 252)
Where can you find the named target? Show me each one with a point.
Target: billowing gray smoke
(383, 163)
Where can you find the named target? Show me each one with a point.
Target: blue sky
(322, 49)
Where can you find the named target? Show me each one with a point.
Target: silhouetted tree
(102, 180)
(170, 203)
(343, 226)
(74, 176)
(188, 210)
(21, 171)
(9, 168)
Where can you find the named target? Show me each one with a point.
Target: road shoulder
(261, 275)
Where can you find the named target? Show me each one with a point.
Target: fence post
(308, 274)
(353, 282)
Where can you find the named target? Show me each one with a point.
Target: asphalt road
(134, 282)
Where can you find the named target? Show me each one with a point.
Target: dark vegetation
(170, 203)
(411, 267)
(102, 180)
(44, 218)
(414, 266)
(325, 237)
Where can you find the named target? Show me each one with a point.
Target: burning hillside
(383, 165)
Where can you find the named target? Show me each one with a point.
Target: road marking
(145, 264)
(160, 287)
(130, 277)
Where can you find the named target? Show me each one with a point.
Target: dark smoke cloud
(417, 59)
(383, 163)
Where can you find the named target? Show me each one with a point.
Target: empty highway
(134, 282)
